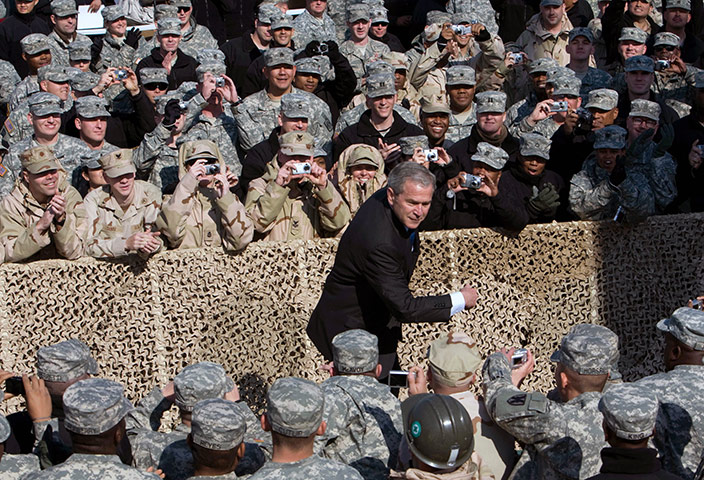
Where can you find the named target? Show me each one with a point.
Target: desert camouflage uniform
(350, 117)
(593, 198)
(65, 150)
(156, 158)
(294, 212)
(356, 194)
(308, 28)
(223, 131)
(594, 79)
(537, 42)
(8, 81)
(364, 425)
(107, 227)
(257, 116)
(88, 467)
(13, 467)
(306, 469)
(459, 130)
(480, 8)
(59, 47)
(359, 58)
(19, 214)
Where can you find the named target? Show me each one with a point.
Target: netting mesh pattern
(145, 321)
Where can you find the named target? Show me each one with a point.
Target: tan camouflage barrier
(145, 321)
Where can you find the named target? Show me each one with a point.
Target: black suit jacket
(368, 285)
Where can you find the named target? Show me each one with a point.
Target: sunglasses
(668, 48)
(183, 9)
(156, 86)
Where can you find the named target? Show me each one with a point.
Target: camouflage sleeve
(235, 222)
(147, 153)
(248, 131)
(587, 201)
(264, 203)
(491, 56)
(8, 176)
(518, 129)
(39, 429)
(662, 179)
(427, 61)
(173, 217)
(147, 412)
(19, 241)
(336, 415)
(9, 82)
(335, 213)
(69, 243)
(636, 196)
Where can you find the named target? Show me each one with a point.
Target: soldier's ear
(240, 451)
(266, 426)
(321, 429)
(77, 122)
(377, 370)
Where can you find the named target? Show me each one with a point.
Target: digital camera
(219, 82)
(472, 181)
(516, 57)
(662, 65)
(212, 169)
(121, 74)
(519, 357)
(462, 29)
(431, 155)
(559, 106)
(321, 49)
(300, 168)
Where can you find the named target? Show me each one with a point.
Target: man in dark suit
(368, 285)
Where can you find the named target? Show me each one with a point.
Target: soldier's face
(461, 97)
(362, 173)
(25, 7)
(263, 31)
(94, 177)
(462, 40)
(60, 89)
(638, 125)
(46, 126)
(121, 187)
(359, 30)
(412, 204)
(293, 124)
(639, 8)
(580, 48)
(552, 15)
(490, 122)
(169, 43)
(666, 52)
(82, 65)
(282, 36)
(38, 60)
(399, 78)
(382, 106)
(65, 25)
(533, 165)
(603, 118)
(629, 48)
(153, 90)
(184, 15)
(92, 129)
(573, 103)
(117, 28)
(606, 158)
(307, 81)
(43, 185)
(435, 125)
(483, 170)
(639, 82)
(281, 76)
(676, 17)
(539, 80)
(379, 29)
(316, 7)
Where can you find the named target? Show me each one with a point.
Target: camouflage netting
(145, 321)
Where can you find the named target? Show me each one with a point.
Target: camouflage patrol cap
(687, 326)
(490, 155)
(355, 351)
(296, 105)
(278, 56)
(629, 410)
(453, 359)
(200, 149)
(380, 85)
(53, 73)
(266, 11)
(461, 75)
(44, 103)
(199, 382)
(681, 4)
(5, 430)
(165, 10)
(612, 136)
(162, 100)
(295, 407)
(699, 79)
(438, 17)
(213, 67)
(38, 160)
(308, 65)
(663, 39)
(65, 361)
(34, 43)
(582, 32)
(297, 143)
(551, 3)
(208, 55)
(117, 163)
(645, 108)
(535, 145)
(281, 21)
(603, 98)
(168, 26)
(567, 86)
(217, 424)
(435, 104)
(588, 349)
(633, 34)
(358, 11)
(79, 50)
(398, 60)
(377, 67)
(112, 13)
(409, 144)
(379, 15)
(64, 8)
(364, 155)
(541, 65)
(556, 72)
(153, 75)
(639, 63)
(91, 107)
(182, 3)
(490, 102)
(91, 159)
(94, 406)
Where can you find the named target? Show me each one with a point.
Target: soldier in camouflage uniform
(44, 110)
(542, 120)
(91, 122)
(460, 83)
(675, 83)
(534, 92)
(611, 186)
(287, 206)
(116, 49)
(120, 216)
(359, 173)
(562, 439)
(33, 45)
(39, 219)
(257, 115)
(12, 467)
(95, 409)
(294, 414)
(581, 49)
(203, 212)
(216, 439)
(360, 50)
(64, 16)
(680, 422)
(79, 55)
(8, 81)
(194, 37)
(364, 424)
(314, 24)
(145, 47)
(631, 43)
(539, 42)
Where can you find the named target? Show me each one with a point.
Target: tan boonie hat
(39, 159)
(198, 149)
(118, 163)
(453, 359)
(364, 155)
(297, 143)
(435, 104)
(34, 43)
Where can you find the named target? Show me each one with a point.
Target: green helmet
(439, 430)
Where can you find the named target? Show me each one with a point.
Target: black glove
(618, 174)
(172, 112)
(312, 48)
(545, 202)
(667, 136)
(333, 47)
(132, 38)
(641, 143)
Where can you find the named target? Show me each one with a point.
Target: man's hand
(156, 471)
(231, 178)
(444, 158)
(571, 120)
(488, 187)
(518, 374)
(470, 296)
(57, 205)
(667, 136)
(541, 112)
(451, 49)
(695, 155)
(197, 170)
(4, 376)
(131, 83)
(38, 399)
(390, 152)
(45, 221)
(222, 186)
(152, 243)
(169, 391)
(327, 367)
(477, 29)
(166, 62)
(317, 176)
(94, 6)
(419, 157)
(284, 176)
(417, 381)
(229, 91)
(700, 298)
(677, 66)
(141, 240)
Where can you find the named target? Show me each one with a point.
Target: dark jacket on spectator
(580, 14)
(637, 463)
(690, 182)
(667, 113)
(391, 40)
(184, 70)
(239, 54)
(568, 152)
(13, 29)
(515, 179)
(224, 18)
(513, 16)
(255, 163)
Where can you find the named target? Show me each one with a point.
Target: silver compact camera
(516, 57)
(431, 155)
(183, 105)
(462, 29)
(212, 169)
(219, 82)
(662, 65)
(559, 106)
(471, 181)
(121, 74)
(696, 304)
(519, 357)
(300, 168)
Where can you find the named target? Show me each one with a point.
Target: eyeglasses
(183, 9)
(156, 86)
(379, 24)
(648, 122)
(668, 48)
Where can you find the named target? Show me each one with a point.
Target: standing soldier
(117, 48)
(360, 50)
(64, 16)
(314, 24)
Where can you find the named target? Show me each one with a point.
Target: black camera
(14, 386)
(321, 49)
(585, 120)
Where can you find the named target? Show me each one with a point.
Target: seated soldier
(293, 200)
(294, 416)
(39, 218)
(95, 411)
(630, 411)
(363, 417)
(120, 216)
(216, 440)
(202, 212)
(613, 183)
(440, 437)
(360, 173)
(12, 467)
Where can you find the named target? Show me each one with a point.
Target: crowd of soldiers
(592, 425)
(558, 110)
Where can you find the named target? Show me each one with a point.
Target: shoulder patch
(9, 126)
(3, 170)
